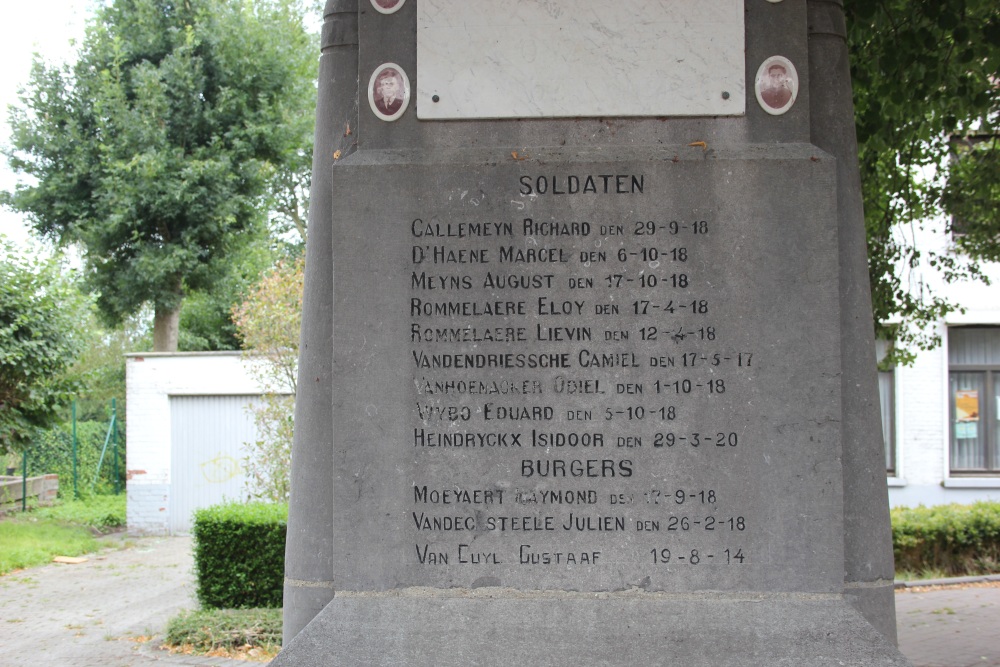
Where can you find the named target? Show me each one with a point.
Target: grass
(103, 513)
(66, 529)
(247, 634)
(27, 542)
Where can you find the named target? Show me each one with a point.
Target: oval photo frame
(776, 85)
(389, 91)
(387, 6)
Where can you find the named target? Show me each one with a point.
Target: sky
(48, 27)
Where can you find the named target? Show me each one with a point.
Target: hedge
(239, 553)
(954, 539)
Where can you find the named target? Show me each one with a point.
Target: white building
(186, 425)
(942, 413)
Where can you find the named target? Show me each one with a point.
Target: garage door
(206, 446)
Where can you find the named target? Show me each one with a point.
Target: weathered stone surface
(568, 630)
(647, 331)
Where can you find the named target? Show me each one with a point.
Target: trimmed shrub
(239, 553)
(954, 539)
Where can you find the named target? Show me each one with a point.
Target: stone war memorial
(587, 371)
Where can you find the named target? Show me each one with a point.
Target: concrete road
(100, 613)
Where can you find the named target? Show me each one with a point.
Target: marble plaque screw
(435, 99)
(725, 94)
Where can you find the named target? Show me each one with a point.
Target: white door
(206, 453)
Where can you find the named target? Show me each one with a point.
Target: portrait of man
(776, 91)
(776, 85)
(389, 91)
(387, 6)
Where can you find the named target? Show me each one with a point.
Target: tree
(207, 316)
(269, 320)
(159, 149)
(40, 309)
(925, 73)
(100, 370)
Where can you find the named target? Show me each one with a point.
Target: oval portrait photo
(389, 91)
(776, 85)
(387, 6)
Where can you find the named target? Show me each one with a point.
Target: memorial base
(474, 627)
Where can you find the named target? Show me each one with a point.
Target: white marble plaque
(572, 58)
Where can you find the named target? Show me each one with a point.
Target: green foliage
(269, 320)
(239, 553)
(972, 193)
(103, 513)
(100, 370)
(206, 318)
(27, 542)
(159, 150)
(954, 539)
(268, 461)
(205, 325)
(924, 71)
(51, 452)
(229, 629)
(40, 309)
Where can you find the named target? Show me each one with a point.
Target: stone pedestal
(573, 391)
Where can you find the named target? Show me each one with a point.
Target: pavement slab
(104, 612)
(950, 626)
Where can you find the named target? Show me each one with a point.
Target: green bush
(239, 553)
(954, 539)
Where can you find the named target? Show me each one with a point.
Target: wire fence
(87, 457)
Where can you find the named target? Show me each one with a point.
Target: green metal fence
(87, 456)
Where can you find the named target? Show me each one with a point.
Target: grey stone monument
(587, 370)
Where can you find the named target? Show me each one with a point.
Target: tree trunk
(166, 325)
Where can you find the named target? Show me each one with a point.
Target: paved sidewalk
(100, 613)
(950, 627)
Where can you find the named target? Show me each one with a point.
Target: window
(969, 173)
(974, 391)
(887, 401)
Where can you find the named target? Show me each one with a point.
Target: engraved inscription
(576, 363)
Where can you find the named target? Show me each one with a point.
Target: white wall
(922, 400)
(151, 379)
